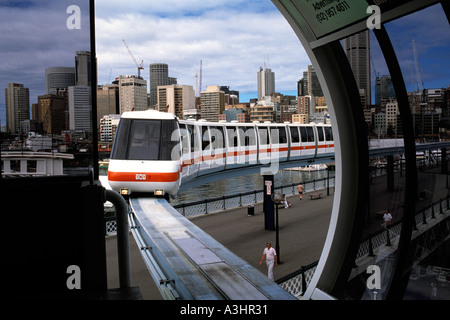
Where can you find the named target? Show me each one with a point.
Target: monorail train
(154, 152)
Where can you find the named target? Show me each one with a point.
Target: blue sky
(233, 39)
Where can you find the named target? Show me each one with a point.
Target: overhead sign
(327, 16)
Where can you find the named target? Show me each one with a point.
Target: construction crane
(139, 66)
(418, 70)
(201, 76)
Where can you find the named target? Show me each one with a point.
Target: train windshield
(146, 140)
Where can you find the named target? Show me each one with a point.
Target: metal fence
(248, 198)
(297, 282)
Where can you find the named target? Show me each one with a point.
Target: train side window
(250, 136)
(170, 141)
(217, 137)
(328, 134)
(304, 134)
(232, 137)
(184, 138)
(241, 132)
(294, 134)
(282, 134)
(310, 134)
(320, 133)
(195, 139)
(263, 136)
(190, 130)
(206, 143)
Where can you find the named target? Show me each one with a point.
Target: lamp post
(276, 198)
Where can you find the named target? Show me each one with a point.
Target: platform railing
(248, 198)
(297, 282)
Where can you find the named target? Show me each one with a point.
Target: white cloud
(231, 40)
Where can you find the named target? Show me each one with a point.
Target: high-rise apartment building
(17, 101)
(266, 83)
(132, 93)
(175, 99)
(108, 127)
(357, 48)
(212, 103)
(57, 78)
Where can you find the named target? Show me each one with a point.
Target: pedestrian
(387, 217)
(270, 255)
(286, 202)
(300, 191)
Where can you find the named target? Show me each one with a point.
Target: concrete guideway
(195, 264)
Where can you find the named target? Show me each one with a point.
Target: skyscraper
(212, 103)
(266, 83)
(357, 49)
(58, 78)
(17, 99)
(80, 108)
(132, 93)
(159, 76)
(83, 68)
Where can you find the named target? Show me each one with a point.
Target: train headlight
(159, 192)
(124, 192)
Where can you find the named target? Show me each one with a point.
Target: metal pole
(123, 238)
(277, 242)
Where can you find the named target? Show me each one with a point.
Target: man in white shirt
(270, 255)
(387, 217)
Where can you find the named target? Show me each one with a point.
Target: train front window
(146, 140)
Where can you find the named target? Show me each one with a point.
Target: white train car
(154, 152)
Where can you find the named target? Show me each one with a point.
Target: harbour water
(244, 184)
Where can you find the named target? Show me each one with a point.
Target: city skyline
(232, 39)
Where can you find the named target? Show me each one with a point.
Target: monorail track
(188, 264)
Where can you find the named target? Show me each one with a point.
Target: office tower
(17, 101)
(309, 85)
(80, 108)
(132, 94)
(51, 111)
(58, 78)
(357, 48)
(302, 87)
(384, 89)
(212, 103)
(266, 83)
(314, 88)
(159, 76)
(107, 101)
(175, 99)
(82, 68)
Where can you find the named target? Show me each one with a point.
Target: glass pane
(422, 42)
(45, 86)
